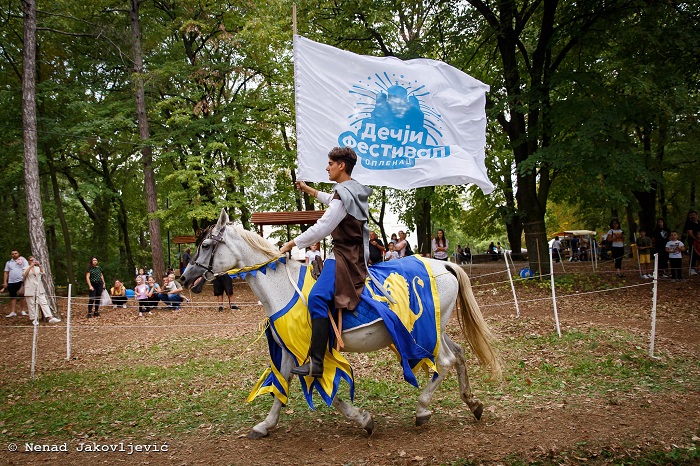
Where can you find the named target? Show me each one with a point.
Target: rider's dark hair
(344, 154)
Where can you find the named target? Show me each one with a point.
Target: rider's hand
(286, 247)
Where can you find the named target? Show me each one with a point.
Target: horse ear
(223, 219)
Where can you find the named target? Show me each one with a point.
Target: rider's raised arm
(324, 226)
(325, 198)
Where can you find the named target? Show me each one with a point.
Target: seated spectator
(172, 295)
(492, 250)
(153, 291)
(391, 253)
(459, 254)
(118, 294)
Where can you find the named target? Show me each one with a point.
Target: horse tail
(474, 328)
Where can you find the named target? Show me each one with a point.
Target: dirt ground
(576, 430)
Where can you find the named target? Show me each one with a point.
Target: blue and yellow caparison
(413, 323)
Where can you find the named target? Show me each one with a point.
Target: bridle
(209, 273)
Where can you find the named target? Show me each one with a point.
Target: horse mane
(257, 242)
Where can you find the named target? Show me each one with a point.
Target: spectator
(186, 258)
(162, 295)
(460, 254)
(142, 274)
(692, 230)
(616, 237)
(467, 253)
(172, 294)
(440, 245)
(644, 247)
(224, 283)
(675, 248)
(96, 283)
(583, 255)
(35, 293)
(118, 294)
(153, 291)
(492, 250)
(12, 280)
(401, 245)
(660, 237)
(574, 242)
(141, 290)
(556, 249)
(391, 253)
(394, 238)
(376, 249)
(312, 253)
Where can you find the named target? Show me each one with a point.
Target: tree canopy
(592, 114)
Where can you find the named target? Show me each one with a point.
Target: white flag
(412, 123)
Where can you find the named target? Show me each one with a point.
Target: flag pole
(294, 18)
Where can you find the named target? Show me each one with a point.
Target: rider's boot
(319, 343)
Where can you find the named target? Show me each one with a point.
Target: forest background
(593, 114)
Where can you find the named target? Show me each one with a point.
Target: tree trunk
(423, 224)
(62, 220)
(146, 154)
(35, 217)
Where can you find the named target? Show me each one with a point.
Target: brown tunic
(350, 268)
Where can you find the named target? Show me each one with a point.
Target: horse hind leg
(360, 416)
(465, 391)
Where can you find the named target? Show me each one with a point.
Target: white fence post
(70, 288)
(512, 286)
(554, 295)
(653, 305)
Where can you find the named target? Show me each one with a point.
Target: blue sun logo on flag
(392, 125)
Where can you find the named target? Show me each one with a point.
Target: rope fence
(508, 262)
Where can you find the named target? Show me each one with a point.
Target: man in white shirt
(13, 278)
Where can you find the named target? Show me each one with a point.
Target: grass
(179, 386)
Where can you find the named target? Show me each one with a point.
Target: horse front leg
(360, 416)
(444, 363)
(263, 429)
(465, 391)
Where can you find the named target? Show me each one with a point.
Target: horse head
(211, 258)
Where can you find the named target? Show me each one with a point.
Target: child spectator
(141, 291)
(391, 253)
(644, 252)
(118, 294)
(675, 248)
(312, 253)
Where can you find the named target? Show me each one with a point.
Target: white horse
(227, 247)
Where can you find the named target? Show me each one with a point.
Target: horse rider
(343, 276)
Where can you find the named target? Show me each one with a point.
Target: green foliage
(618, 119)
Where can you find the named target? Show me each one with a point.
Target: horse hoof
(420, 420)
(369, 428)
(478, 411)
(254, 434)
